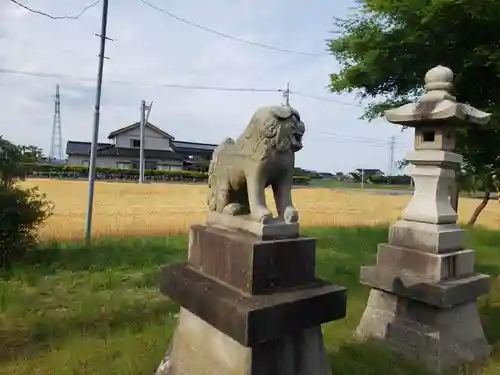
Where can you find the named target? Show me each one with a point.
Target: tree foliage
(21, 210)
(385, 48)
(31, 154)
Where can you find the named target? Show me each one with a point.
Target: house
(161, 151)
(366, 173)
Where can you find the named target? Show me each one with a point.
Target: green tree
(21, 210)
(385, 48)
(32, 154)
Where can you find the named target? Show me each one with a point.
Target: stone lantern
(424, 289)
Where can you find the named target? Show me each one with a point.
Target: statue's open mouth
(296, 139)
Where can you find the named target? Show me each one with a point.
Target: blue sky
(150, 50)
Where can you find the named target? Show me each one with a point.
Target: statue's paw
(291, 215)
(233, 209)
(266, 219)
(263, 215)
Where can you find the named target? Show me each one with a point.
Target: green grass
(97, 311)
(334, 184)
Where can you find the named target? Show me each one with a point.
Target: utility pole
(95, 133)
(392, 143)
(362, 179)
(141, 142)
(286, 94)
(144, 121)
(56, 138)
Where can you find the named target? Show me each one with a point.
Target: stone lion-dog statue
(263, 155)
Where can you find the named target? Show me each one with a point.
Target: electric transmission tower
(56, 151)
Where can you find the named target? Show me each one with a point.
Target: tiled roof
(113, 134)
(193, 147)
(135, 153)
(82, 148)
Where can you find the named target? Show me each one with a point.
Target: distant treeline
(392, 180)
(77, 172)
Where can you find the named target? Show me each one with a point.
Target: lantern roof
(436, 105)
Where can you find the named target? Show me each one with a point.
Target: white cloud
(150, 48)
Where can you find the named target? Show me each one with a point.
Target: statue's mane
(260, 134)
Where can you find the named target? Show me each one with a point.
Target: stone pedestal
(423, 305)
(249, 306)
(424, 289)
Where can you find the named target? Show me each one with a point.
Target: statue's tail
(211, 199)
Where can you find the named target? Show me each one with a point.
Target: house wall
(77, 160)
(152, 139)
(165, 167)
(120, 162)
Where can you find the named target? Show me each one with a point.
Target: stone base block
(444, 294)
(431, 238)
(199, 348)
(249, 305)
(252, 319)
(275, 229)
(442, 339)
(427, 267)
(249, 263)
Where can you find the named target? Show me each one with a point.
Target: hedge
(77, 172)
(395, 180)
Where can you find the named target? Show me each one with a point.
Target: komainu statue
(264, 155)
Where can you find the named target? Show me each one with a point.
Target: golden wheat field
(128, 209)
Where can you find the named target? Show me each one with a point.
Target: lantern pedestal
(424, 289)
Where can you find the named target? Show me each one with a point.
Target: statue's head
(280, 126)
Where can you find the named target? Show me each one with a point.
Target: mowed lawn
(125, 209)
(97, 311)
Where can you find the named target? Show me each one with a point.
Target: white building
(161, 151)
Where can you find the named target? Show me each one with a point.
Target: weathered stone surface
(434, 137)
(425, 156)
(426, 267)
(427, 237)
(431, 202)
(252, 265)
(423, 305)
(251, 306)
(252, 319)
(437, 104)
(262, 156)
(271, 229)
(441, 338)
(199, 348)
(443, 294)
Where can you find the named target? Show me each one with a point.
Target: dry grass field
(127, 209)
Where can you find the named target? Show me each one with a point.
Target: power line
(172, 85)
(228, 36)
(365, 144)
(56, 17)
(176, 85)
(357, 139)
(323, 99)
(165, 85)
